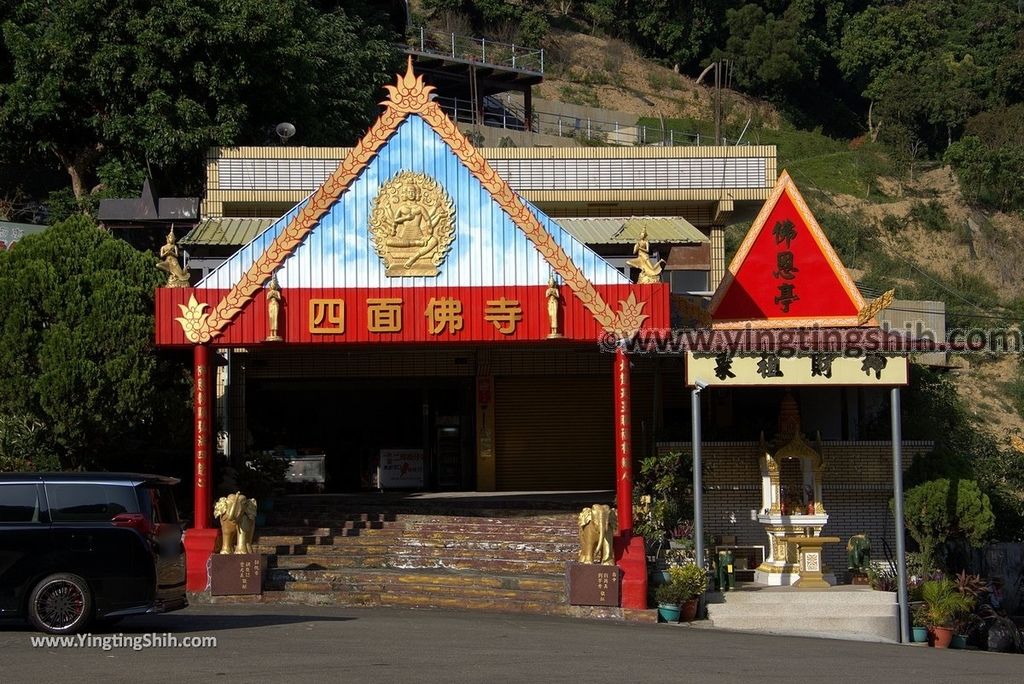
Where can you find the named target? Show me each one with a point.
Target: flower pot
(920, 635)
(668, 613)
(958, 641)
(941, 636)
(688, 612)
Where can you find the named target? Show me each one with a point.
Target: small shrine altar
(791, 501)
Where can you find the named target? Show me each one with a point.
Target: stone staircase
(492, 560)
(842, 612)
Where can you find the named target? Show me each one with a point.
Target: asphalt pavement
(275, 643)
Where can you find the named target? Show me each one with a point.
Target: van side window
(158, 503)
(81, 502)
(19, 503)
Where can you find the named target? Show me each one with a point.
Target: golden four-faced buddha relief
(412, 224)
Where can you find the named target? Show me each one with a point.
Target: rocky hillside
(600, 72)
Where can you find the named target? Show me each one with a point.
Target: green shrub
(690, 578)
(932, 216)
(944, 510)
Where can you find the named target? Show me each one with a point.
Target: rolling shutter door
(553, 432)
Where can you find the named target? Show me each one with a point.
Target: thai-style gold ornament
(629, 318)
(170, 256)
(872, 308)
(554, 300)
(237, 515)
(273, 310)
(193, 320)
(598, 524)
(650, 270)
(412, 224)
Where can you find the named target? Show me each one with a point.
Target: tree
(770, 58)
(76, 348)
(680, 32)
(947, 510)
(157, 83)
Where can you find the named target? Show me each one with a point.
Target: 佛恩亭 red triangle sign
(786, 273)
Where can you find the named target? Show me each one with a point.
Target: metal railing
(489, 52)
(508, 114)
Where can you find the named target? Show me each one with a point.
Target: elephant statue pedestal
(236, 574)
(589, 584)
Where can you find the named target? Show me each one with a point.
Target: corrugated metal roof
(606, 231)
(591, 231)
(226, 231)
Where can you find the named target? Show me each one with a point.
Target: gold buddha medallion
(412, 225)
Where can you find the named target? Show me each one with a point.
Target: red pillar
(623, 443)
(201, 410)
(629, 550)
(201, 540)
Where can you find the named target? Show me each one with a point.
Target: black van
(79, 547)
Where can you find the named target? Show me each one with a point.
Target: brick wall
(856, 490)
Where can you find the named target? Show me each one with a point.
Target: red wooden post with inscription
(201, 409)
(623, 444)
(629, 550)
(201, 540)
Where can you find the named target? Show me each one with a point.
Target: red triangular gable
(786, 273)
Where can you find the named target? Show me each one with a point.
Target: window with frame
(19, 503)
(84, 502)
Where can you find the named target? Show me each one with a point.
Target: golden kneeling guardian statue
(598, 524)
(237, 515)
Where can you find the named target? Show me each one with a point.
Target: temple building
(436, 317)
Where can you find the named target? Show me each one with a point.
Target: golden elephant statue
(237, 515)
(598, 524)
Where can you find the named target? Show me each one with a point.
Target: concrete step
(487, 549)
(799, 610)
(412, 562)
(379, 579)
(843, 612)
(561, 521)
(440, 539)
(866, 628)
(842, 595)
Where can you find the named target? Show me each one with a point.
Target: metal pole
(421, 39)
(698, 517)
(897, 492)
(453, 46)
(542, 60)
(483, 49)
(513, 55)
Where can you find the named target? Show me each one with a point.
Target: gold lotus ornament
(193, 320)
(412, 225)
(630, 316)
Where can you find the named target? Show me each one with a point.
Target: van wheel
(60, 604)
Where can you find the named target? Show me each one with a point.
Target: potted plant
(692, 581)
(919, 622)
(669, 597)
(944, 606)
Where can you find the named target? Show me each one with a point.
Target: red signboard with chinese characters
(786, 272)
(414, 314)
